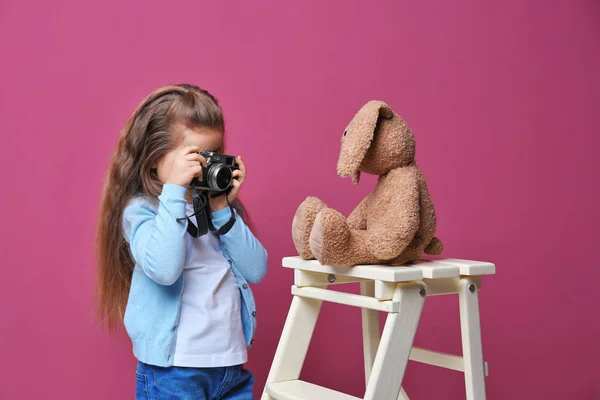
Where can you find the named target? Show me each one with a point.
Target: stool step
(346, 298)
(299, 390)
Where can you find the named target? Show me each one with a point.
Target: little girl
(184, 300)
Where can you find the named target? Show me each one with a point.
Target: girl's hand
(186, 166)
(239, 176)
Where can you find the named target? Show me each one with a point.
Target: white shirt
(210, 332)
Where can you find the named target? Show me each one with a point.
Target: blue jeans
(178, 383)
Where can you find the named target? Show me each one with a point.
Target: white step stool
(401, 291)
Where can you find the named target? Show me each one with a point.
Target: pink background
(504, 100)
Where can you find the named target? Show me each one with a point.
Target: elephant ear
(358, 137)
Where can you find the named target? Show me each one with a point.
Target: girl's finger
(196, 157)
(189, 150)
(235, 190)
(239, 174)
(241, 164)
(197, 171)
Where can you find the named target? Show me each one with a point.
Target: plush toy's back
(424, 240)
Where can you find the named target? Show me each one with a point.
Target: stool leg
(471, 339)
(372, 334)
(371, 329)
(402, 395)
(295, 339)
(396, 343)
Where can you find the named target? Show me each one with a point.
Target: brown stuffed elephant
(395, 224)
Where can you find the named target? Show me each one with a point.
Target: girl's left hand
(239, 176)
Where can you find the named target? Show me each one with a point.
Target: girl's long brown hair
(147, 136)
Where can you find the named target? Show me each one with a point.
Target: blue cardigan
(157, 244)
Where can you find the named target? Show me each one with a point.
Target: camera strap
(200, 203)
(229, 224)
(202, 213)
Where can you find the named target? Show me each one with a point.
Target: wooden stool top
(429, 269)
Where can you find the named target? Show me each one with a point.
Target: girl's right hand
(186, 166)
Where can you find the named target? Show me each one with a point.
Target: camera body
(218, 174)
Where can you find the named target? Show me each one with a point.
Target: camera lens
(220, 177)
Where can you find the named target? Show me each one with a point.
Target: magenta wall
(504, 101)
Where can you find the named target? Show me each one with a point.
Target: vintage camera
(218, 174)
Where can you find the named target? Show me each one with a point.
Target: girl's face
(205, 138)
